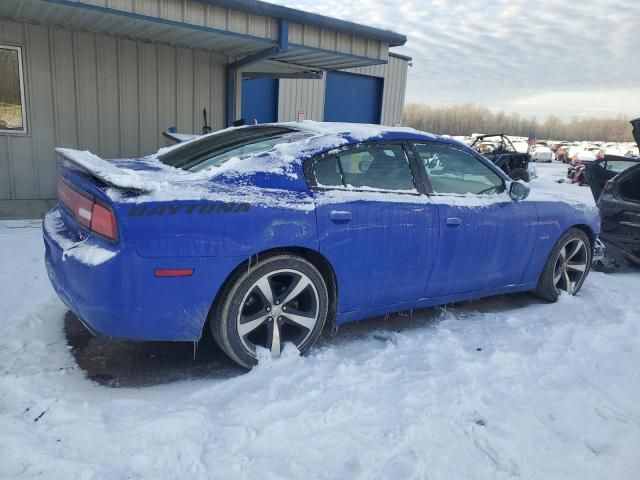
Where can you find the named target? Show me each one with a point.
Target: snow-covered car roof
(151, 174)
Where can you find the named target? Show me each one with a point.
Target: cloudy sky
(531, 57)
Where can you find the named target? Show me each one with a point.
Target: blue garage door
(260, 100)
(352, 98)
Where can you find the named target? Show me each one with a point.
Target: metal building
(111, 75)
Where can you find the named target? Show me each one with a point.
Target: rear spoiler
(179, 137)
(103, 170)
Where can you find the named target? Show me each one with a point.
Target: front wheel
(567, 266)
(282, 299)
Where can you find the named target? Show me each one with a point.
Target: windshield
(214, 150)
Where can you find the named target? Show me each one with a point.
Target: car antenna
(206, 128)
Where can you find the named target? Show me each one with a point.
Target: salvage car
(541, 154)
(263, 234)
(615, 183)
(504, 155)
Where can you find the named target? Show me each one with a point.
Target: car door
(620, 210)
(377, 229)
(486, 239)
(601, 171)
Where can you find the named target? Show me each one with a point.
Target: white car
(541, 154)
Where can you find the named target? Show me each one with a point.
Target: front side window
(379, 167)
(12, 104)
(455, 171)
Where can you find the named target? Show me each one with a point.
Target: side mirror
(519, 190)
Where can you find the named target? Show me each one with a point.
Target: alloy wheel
(571, 265)
(281, 306)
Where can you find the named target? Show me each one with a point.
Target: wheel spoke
(567, 281)
(306, 322)
(576, 267)
(576, 249)
(274, 339)
(303, 282)
(563, 253)
(246, 328)
(557, 277)
(265, 288)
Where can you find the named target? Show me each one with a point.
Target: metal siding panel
(39, 87)
(147, 7)
(359, 46)
(258, 26)
(86, 81)
(88, 90)
(128, 96)
(218, 93)
(344, 43)
(184, 93)
(166, 87)
(295, 33)
(125, 5)
(6, 192)
(195, 13)
(171, 10)
(107, 55)
(201, 89)
(148, 99)
(64, 88)
(311, 36)
(21, 158)
(217, 17)
(238, 21)
(297, 95)
(328, 40)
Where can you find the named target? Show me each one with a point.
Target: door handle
(340, 216)
(453, 221)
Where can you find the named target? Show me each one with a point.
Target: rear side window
(454, 171)
(380, 167)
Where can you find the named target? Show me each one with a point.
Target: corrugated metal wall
(308, 95)
(109, 95)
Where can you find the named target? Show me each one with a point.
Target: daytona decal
(188, 209)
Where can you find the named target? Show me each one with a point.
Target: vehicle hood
(636, 130)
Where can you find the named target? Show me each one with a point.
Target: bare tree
(467, 119)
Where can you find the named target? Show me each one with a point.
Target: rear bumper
(115, 292)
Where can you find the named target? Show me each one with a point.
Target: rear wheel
(283, 299)
(567, 266)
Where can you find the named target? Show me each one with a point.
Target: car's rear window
(216, 149)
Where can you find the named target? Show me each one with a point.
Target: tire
(568, 273)
(283, 298)
(519, 174)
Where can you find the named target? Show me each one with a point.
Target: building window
(12, 104)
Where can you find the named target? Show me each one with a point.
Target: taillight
(609, 185)
(103, 221)
(87, 212)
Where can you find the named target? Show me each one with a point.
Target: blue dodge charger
(264, 234)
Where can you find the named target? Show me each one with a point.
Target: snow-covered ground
(503, 387)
